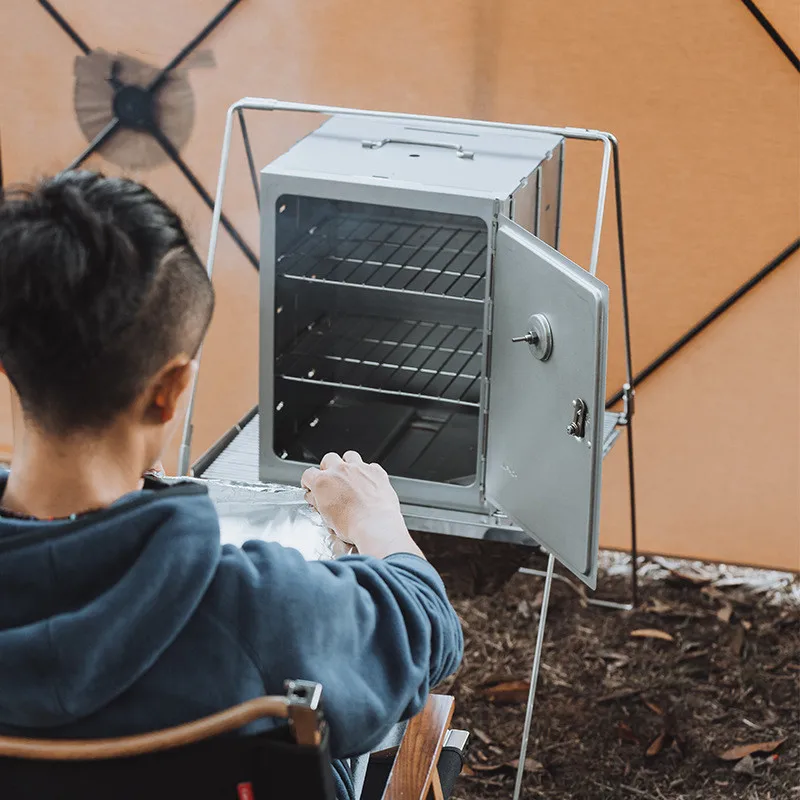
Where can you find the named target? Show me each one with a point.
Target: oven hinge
(487, 355)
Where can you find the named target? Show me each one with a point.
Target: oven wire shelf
(402, 358)
(391, 256)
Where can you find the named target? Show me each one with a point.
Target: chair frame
(413, 775)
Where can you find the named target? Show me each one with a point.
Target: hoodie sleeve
(377, 634)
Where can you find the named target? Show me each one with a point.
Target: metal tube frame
(610, 153)
(537, 661)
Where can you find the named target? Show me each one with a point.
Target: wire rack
(392, 255)
(406, 358)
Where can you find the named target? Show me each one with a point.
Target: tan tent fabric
(707, 113)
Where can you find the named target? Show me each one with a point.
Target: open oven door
(544, 445)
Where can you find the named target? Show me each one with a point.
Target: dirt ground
(637, 704)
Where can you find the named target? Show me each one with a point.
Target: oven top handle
(376, 144)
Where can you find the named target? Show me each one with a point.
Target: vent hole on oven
(413, 155)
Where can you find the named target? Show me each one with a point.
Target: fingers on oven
(330, 460)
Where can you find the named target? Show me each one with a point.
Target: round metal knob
(539, 337)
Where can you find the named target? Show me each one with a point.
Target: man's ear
(167, 388)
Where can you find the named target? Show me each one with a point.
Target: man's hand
(359, 505)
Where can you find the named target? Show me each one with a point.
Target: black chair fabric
(267, 766)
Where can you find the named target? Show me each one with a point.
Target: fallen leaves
(654, 707)
(622, 694)
(737, 642)
(744, 750)
(626, 734)
(652, 633)
(656, 745)
(531, 765)
(507, 693)
(724, 614)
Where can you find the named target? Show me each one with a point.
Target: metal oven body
(414, 306)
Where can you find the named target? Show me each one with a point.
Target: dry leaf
(742, 750)
(467, 770)
(695, 578)
(656, 606)
(483, 737)
(507, 693)
(652, 633)
(746, 624)
(737, 641)
(487, 767)
(622, 694)
(654, 707)
(656, 745)
(625, 732)
(531, 765)
(724, 614)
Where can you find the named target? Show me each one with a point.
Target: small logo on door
(245, 791)
(510, 471)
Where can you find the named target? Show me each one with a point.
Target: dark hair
(99, 288)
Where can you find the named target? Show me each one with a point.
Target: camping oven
(415, 307)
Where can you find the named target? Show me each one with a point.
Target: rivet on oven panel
(279, 407)
(314, 422)
(312, 230)
(312, 373)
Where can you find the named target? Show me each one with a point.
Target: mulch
(650, 703)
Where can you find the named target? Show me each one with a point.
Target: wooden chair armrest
(96, 749)
(414, 771)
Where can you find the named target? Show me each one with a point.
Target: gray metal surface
(419, 154)
(239, 462)
(437, 206)
(541, 476)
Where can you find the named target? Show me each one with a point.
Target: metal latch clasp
(577, 427)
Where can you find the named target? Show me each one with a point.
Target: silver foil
(271, 513)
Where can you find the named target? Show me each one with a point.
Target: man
(120, 612)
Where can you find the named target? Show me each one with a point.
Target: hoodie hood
(88, 605)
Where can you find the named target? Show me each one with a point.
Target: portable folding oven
(414, 307)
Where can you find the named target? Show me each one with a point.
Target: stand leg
(537, 660)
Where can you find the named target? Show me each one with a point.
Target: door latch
(577, 427)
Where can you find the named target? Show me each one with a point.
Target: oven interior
(378, 345)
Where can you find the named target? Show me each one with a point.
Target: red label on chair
(246, 791)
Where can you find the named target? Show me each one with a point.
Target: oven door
(544, 445)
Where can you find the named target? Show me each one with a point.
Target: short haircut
(99, 288)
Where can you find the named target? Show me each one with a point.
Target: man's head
(103, 305)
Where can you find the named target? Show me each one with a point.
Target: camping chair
(197, 761)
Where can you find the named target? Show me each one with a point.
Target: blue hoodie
(135, 618)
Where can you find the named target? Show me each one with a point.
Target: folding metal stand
(625, 419)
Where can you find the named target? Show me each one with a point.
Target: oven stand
(610, 155)
(625, 419)
(537, 661)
